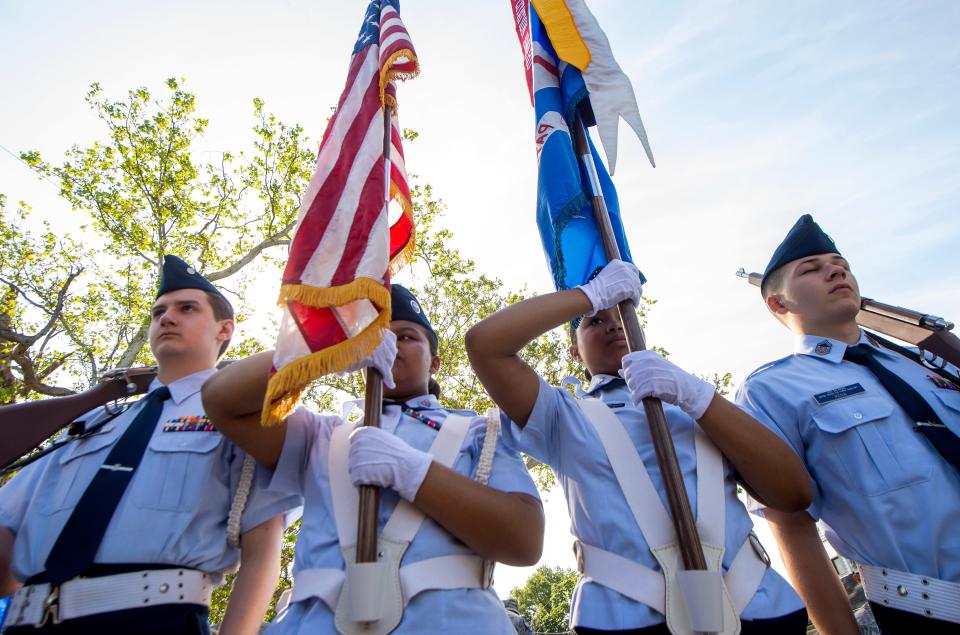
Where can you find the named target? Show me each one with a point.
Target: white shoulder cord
(485, 464)
(484, 469)
(240, 500)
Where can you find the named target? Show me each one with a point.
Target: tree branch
(270, 241)
(26, 341)
(31, 383)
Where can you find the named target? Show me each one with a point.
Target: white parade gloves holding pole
(381, 358)
(616, 282)
(649, 374)
(382, 459)
(377, 457)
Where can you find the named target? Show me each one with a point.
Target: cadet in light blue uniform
(558, 434)
(549, 425)
(889, 499)
(175, 509)
(502, 521)
(173, 513)
(303, 468)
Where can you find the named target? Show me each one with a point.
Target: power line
(27, 166)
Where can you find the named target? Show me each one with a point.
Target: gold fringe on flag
(405, 255)
(387, 74)
(288, 383)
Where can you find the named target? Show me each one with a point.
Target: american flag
(335, 290)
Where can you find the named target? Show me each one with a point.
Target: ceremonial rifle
(26, 425)
(680, 512)
(927, 332)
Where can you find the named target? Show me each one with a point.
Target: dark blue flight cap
(406, 307)
(804, 239)
(179, 275)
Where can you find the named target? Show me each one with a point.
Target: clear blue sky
(756, 112)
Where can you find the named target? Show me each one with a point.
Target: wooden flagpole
(680, 512)
(373, 401)
(370, 494)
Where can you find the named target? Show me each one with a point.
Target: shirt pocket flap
(199, 442)
(843, 415)
(88, 445)
(949, 398)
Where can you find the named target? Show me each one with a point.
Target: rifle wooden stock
(680, 512)
(25, 425)
(926, 332)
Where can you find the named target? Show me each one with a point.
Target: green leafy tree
(544, 598)
(138, 193)
(41, 304)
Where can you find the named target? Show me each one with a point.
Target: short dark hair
(433, 386)
(773, 283)
(221, 311)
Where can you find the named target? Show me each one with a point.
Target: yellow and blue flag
(570, 237)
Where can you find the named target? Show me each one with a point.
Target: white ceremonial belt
(920, 594)
(647, 586)
(432, 574)
(626, 577)
(35, 604)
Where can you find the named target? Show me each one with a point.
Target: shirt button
(857, 416)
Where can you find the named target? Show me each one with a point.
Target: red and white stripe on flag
(335, 290)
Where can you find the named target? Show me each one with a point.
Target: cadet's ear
(434, 364)
(775, 304)
(226, 330)
(575, 353)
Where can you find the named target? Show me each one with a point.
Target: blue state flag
(570, 237)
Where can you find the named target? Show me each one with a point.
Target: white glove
(381, 358)
(382, 459)
(616, 282)
(649, 374)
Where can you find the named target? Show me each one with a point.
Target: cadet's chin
(616, 351)
(166, 347)
(848, 308)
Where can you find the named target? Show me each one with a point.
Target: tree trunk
(135, 346)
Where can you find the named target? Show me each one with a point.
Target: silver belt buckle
(487, 573)
(51, 608)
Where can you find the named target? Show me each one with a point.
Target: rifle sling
(71, 437)
(915, 357)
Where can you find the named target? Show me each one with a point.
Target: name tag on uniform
(942, 382)
(838, 393)
(189, 424)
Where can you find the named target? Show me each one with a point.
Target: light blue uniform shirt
(174, 511)
(302, 468)
(886, 495)
(559, 435)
